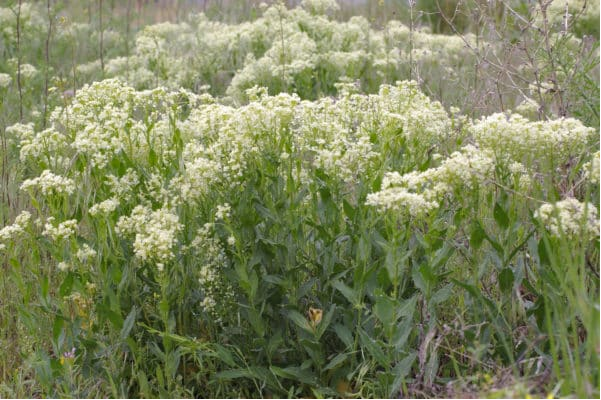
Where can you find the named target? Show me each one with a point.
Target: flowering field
(297, 205)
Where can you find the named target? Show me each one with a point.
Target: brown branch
(101, 39)
(47, 55)
(19, 62)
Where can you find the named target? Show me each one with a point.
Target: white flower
(419, 193)
(569, 218)
(104, 207)
(85, 254)
(62, 231)
(49, 183)
(155, 233)
(11, 232)
(320, 6)
(223, 211)
(28, 71)
(591, 169)
(231, 240)
(400, 199)
(5, 80)
(63, 266)
(540, 142)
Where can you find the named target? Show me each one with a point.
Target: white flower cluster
(85, 254)
(344, 135)
(16, 230)
(63, 266)
(410, 113)
(223, 212)
(155, 233)
(48, 145)
(109, 117)
(5, 80)
(540, 142)
(320, 6)
(591, 168)
(565, 15)
(323, 129)
(528, 108)
(64, 230)
(233, 58)
(346, 138)
(217, 294)
(123, 187)
(49, 183)
(418, 193)
(19, 132)
(32, 22)
(104, 207)
(569, 218)
(28, 72)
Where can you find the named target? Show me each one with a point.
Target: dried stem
(101, 38)
(557, 92)
(127, 32)
(47, 56)
(411, 29)
(19, 62)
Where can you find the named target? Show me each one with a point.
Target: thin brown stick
(47, 55)
(19, 62)
(127, 32)
(101, 38)
(557, 92)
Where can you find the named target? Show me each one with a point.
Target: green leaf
(325, 322)
(256, 321)
(336, 361)
(128, 324)
(477, 294)
(299, 320)
(427, 274)
(477, 236)
(314, 350)
(67, 285)
(501, 216)
(442, 256)
(58, 332)
(401, 370)
(234, 374)
(349, 210)
(344, 334)
(115, 319)
(294, 373)
(144, 387)
(407, 307)
(347, 292)
(274, 279)
(373, 348)
(418, 281)
(385, 309)
(402, 333)
(443, 294)
(543, 253)
(152, 157)
(506, 280)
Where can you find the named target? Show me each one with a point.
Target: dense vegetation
(299, 204)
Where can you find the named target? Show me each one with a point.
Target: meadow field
(315, 198)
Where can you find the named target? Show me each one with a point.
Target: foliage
(289, 231)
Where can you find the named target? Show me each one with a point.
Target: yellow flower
(315, 315)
